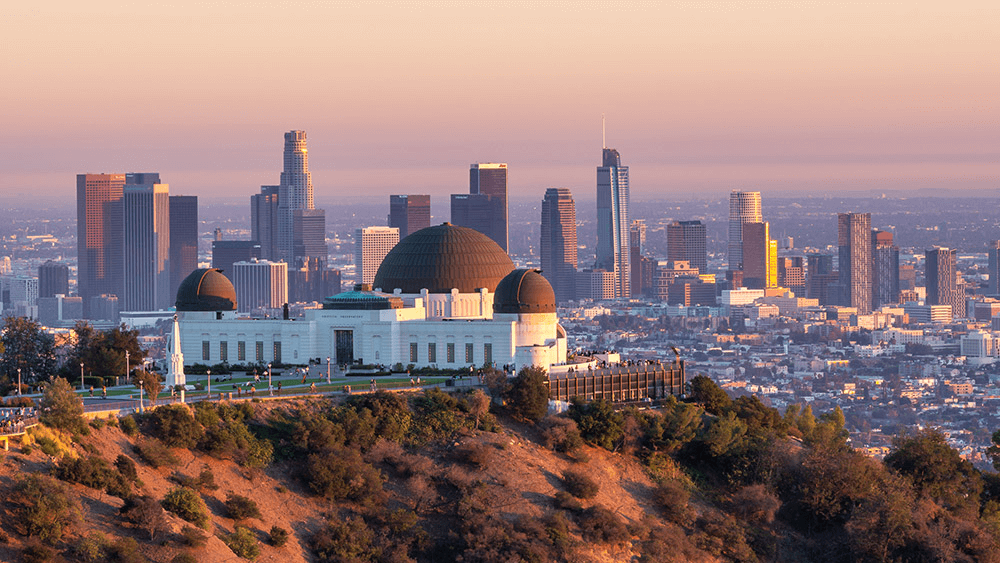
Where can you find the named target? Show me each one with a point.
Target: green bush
(91, 471)
(342, 475)
(127, 468)
(241, 508)
(243, 543)
(580, 485)
(598, 422)
(193, 537)
(598, 524)
(184, 558)
(188, 505)
(41, 507)
(61, 407)
(175, 426)
(278, 536)
(97, 423)
(528, 395)
(128, 425)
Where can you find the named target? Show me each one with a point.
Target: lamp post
(81, 376)
(268, 376)
(126, 366)
(328, 370)
(18, 382)
(209, 372)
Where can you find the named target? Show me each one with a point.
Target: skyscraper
(264, 221)
(941, 278)
(613, 221)
(485, 207)
(225, 253)
(183, 239)
(744, 207)
(371, 244)
(295, 194)
(854, 239)
(760, 256)
(686, 241)
(53, 279)
(791, 274)
(820, 277)
(637, 235)
(558, 242)
(409, 213)
(885, 270)
(99, 236)
(260, 283)
(993, 252)
(146, 208)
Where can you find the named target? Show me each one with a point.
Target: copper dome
(524, 291)
(206, 289)
(442, 258)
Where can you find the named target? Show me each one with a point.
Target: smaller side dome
(524, 291)
(206, 289)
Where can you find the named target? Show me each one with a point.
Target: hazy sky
(400, 97)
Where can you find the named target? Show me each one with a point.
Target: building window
(277, 352)
(260, 351)
(223, 351)
(468, 354)
(488, 353)
(413, 352)
(432, 353)
(206, 350)
(241, 351)
(451, 352)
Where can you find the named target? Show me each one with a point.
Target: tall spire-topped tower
(175, 371)
(613, 220)
(301, 228)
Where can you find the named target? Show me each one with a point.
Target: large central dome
(442, 258)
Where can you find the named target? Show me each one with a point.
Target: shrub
(580, 485)
(153, 452)
(560, 434)
(37, 552)
(61, 407)
(672, 498)
(756, 504)
(567, 501)
(92, 471)
(41, 507)
(175, 426)
(477, 454)
(127, 468)
(188, 505)
(128, 425)
(204, 480)
(528, 394)
(97, 423)
(125, 550)
(243, 543)
(184, 558)
(91, 548)
(342, 475)
(146, 514)
(598, 422)
(598, 524)
(278, 536)
(241, 508)
(52, 442)
(193, 537)
(349, 540)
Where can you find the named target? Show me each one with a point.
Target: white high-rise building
(744, 207)
(260, 284)
(146, 228)
(371, 244)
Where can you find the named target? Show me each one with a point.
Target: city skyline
(779, 96)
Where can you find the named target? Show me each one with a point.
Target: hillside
(432, 477)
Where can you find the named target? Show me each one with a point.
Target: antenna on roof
(604, 139)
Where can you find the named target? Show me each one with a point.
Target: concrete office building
(409, 213)
(854, 235)
(885, 270)
(993, 254)
(264, 221)
(744, 207)
(53, 279)
(146, 224)
(941, 277)
(183, 239)
(613, 221)
(371, 244)
(99, 238)
(260, 284)
(225, 253)
(760, 256)
(686, 240)
(558, 244)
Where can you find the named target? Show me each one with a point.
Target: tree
(149, 382)
(479, 405)
(598, 422)
(103, 352)
(936, 469)
(528, 395)
(28, 348)
(61, 407)
(41, 507)
(709, 394)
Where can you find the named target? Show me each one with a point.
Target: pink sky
(402, 97)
